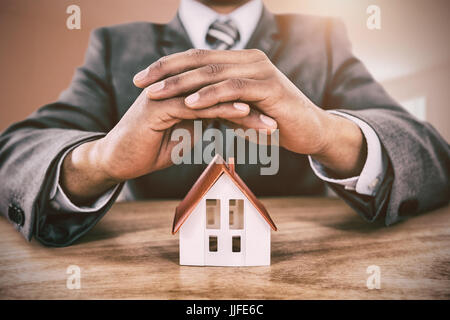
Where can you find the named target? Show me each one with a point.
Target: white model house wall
(192, 237)
(257, 237)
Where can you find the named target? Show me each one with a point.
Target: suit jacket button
(16, 215)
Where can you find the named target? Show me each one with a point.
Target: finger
(195, 79)
(191, 59)
(254, 120)
(234, 89)
(248, 118)
(239, 113)
(227, 110)
(241, 130)
(171, 113)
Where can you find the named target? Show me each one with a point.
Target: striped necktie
(222, 35)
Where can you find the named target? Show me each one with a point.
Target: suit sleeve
(417, 176)
(31, 149)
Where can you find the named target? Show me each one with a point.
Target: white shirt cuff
(372, 174)
(61, 202)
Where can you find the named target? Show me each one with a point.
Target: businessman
(234, 64)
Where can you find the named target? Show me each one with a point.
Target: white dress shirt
(245, 17)
(196, 19)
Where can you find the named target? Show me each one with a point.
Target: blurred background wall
(409, 55)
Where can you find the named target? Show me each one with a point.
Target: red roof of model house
(212, 173)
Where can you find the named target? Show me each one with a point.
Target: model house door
(224, 233)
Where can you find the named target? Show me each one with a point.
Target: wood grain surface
(321, 251)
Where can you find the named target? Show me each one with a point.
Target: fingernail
(156, 87)
(190, 100)
(141, 75)
(268, 121)
(241, 106)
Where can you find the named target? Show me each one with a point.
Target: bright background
(410, 55)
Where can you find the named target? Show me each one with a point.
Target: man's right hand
(140, 144)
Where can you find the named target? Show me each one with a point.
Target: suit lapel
(174, 37)
(265, 37)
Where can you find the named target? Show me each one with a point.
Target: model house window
(236, 243)
(212, 214)
(236, 213)
(212, 244)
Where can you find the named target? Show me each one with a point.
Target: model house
(221, 222)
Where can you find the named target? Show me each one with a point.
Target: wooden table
(321, 251)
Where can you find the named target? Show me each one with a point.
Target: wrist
(83, 176)
(92, 157)
(343, 149)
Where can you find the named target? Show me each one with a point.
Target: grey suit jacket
(313, 52)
